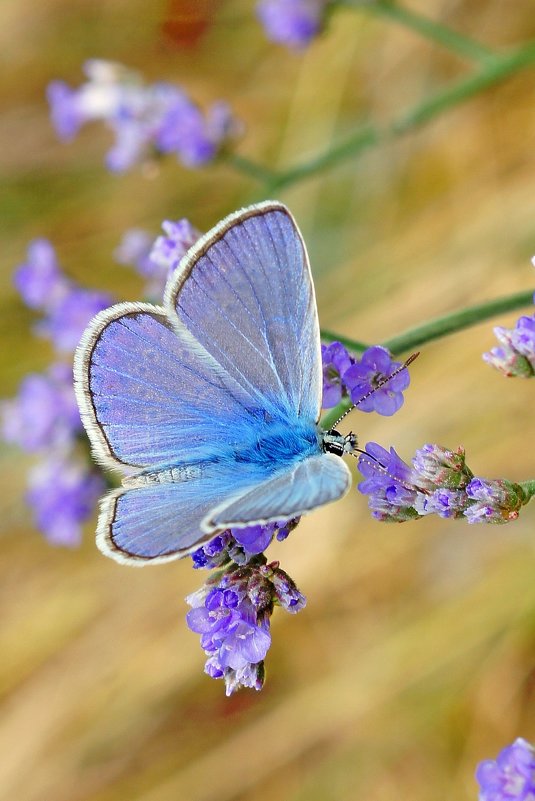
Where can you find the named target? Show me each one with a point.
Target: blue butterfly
(210, 404)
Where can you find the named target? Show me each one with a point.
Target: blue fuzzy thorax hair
(277, 443)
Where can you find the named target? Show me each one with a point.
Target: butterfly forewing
(245, 293)
(149, 394)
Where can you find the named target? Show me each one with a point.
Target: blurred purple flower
(193, 137)
(144, 118)
(68, 318)
(44, 414)
(168, 250)
(293, 23)
(365, 376)
(39, 279)
(336, 361)
(511, 777)
(67, 307)
(134, 251)
(63, 493)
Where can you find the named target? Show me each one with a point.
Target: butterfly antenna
(379, 384)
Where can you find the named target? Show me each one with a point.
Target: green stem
(250, 168)
(329, 418)
(529, 489)
(451, 323)
(352, 344)
(429, 28)
(369, 136)
(440, 326)
(501, 67)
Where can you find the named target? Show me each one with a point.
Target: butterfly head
(339, 444)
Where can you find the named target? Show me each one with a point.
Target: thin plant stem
(440, 326)
(528, 488)
(496, 70)
(457, 321)
(422, 334)
(250, 168)
(352, 344)
(431, 29)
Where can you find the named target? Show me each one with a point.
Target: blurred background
(415, 656)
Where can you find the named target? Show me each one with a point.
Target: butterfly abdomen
(165, 475)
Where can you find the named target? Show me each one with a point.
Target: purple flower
(143, 118)
(233, 633)
(168, 250)
(213, 553)
(67, 307)
(366, 376)
(233, 616)
(68, 318)
(435, 466)
(515, 356)
(495, 501)
(511, 777)
(336, 360)
(443, 502)
(44, 414)
(388, 482)
(293, 23)
(191, 136)
(65, 110)
(240, 545)
(63, 493)
(39, 280)
(254, 539)
(134, 251)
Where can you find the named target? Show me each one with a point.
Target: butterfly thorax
(279, 443)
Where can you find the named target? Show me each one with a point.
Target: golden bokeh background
(415, 656)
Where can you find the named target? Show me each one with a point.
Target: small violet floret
(366, 383)
(293, 23)
(511, 777)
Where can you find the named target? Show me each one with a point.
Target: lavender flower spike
(511, 777)
(232, 613)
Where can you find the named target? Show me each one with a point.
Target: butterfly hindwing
(312, 482)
